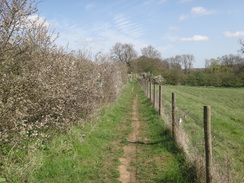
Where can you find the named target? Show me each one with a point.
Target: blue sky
(205, 28)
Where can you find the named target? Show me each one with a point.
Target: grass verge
(85, 154)
(159, 159)
(91, 153)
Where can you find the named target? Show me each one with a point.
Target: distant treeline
(227, 71)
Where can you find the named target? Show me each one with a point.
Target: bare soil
(128, 172)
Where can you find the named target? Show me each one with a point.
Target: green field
(227, 105)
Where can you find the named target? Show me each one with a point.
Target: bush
(44, 87)
(231, 80)
(226, 79)
(174, 77)
(54, 93)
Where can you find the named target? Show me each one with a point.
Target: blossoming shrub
(44, 87)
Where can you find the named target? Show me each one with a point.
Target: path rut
(127, 172)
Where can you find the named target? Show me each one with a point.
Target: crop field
(227, 106)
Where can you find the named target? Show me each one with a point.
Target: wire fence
(189, 135)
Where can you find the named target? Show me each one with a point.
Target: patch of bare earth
(127, 172)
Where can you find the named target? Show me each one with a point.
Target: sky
(205, 28)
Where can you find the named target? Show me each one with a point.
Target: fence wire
(190, 136)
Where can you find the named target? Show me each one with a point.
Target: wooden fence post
(150, 90)
(208, 143)
(148, 84)
(144, 85)
(159, 100)
(147, 88)
(154, 95)
(173, 114)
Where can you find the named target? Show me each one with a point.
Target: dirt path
(150, 154)
(127, 172)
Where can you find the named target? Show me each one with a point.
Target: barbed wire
(198, 121)
(224, 140)
(182, 113)
(215, 134)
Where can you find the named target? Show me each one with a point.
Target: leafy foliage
(153, 65)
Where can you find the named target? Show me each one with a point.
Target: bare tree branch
(124, 53)
(150, 52)
(242, 46)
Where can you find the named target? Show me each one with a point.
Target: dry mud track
(127, 172)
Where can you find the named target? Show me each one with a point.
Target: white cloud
(99, 37)
(38, 20)
(127, 27)
(234, 34)
(113, 36)
(70, 34)
(195, 38)
(183, 17)
(93, 39)
(165, 50)
(100, 27)
(198, 11)
(170, 37)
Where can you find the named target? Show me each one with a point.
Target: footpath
(149, 153)
(127, 143)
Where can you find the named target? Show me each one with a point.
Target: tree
(14, 26)
(212, 65)
(229, 60)
(187, 62)
(124, 53)
(174, 75)
(174, 62)
(150, 52)
(152, 65)
(242, 46)
(226, 63)
(236, 62)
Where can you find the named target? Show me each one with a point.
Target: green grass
(159, 159)
(92, 157)
(84, 154)
(227, 105)
(91, 152)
